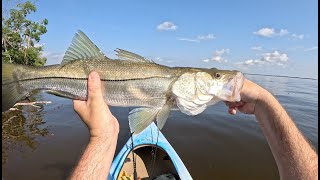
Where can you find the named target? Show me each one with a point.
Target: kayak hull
(149, 137)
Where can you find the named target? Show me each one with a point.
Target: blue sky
(266, 37)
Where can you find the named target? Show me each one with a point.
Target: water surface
(46, 143)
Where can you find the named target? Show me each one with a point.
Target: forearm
(96, 160)
(293, 154)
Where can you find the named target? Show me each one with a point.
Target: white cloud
(198, 38)
(271, 32)
(167, 26)
(206, 37)
(257, 48)
(189, 40)
(282, 32)
(312, 48)
(251, 62)
(218, 56)
(163, 60)
(273, 58)
(221, 52)
(297, 36)
(206, 60)
(266, 32)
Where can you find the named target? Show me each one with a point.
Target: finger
(232, 111)
(235, 104)
(94, 88)
(244, 110)
(80, 107)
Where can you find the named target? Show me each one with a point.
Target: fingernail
(93, 75)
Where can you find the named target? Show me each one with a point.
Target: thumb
(94, 89)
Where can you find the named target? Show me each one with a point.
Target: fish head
(189, 91)
(199, 88)
(224, 84)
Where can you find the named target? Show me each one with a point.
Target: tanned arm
(294, 155)
(103, 127)
(96, 160)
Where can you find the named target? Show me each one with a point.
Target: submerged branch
(30, 104)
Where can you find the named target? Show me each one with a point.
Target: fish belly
(151, 92)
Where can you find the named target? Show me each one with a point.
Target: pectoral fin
(163, 114)
(140, 118)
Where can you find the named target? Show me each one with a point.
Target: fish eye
(217, 75)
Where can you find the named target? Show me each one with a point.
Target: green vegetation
(20, 36)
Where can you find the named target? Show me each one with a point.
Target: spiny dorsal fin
(129, 56)
(81, 48)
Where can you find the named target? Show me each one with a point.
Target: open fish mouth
(231, 90)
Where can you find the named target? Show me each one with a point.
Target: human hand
(95, 112)
(250, 94)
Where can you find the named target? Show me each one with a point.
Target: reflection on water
(213, 144)
(20, 128)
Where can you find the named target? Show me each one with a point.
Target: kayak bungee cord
(134, 162)
(154, 153)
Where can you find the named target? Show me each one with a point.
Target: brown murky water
(46, 143)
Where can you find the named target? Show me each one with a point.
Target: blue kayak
(154, 158)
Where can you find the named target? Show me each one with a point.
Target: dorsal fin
(81, 48)
(129, 56)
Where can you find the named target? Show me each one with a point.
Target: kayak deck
(146, 166)
(166, 160)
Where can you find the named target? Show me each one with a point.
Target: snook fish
(130, 80)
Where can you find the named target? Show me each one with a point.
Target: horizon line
(297, 77)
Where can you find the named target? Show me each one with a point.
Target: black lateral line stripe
(39, 78)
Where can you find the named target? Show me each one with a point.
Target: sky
(265, 37)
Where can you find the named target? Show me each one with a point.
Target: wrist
(104, 133)
(104, 137)
(262, 99)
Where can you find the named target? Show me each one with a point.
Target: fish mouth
(231, 90)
